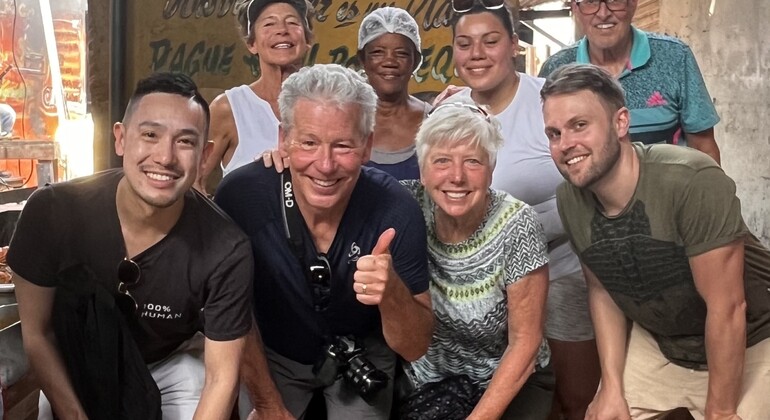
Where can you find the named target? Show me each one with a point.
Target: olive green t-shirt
(684, 205)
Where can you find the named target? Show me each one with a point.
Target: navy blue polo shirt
(289, 324)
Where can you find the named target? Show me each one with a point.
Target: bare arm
(718, 276)
(255, 375)
(224, 136)
(705, 142)
(611, 328)
(407, 320)
(35, 305)
(526, 311)
(222, 359)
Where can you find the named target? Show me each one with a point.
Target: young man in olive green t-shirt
(660, 235)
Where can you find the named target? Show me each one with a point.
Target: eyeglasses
(129, 274)
(462, 6)
(471, 107)
(590, 7)
(320, 273)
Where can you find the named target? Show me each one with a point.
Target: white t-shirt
(526, 171)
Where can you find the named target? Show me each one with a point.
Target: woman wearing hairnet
(389, 52)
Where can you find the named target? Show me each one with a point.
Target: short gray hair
(573, 78)
(331, 84)
(455, 122)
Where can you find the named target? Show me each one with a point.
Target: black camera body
(342, 357)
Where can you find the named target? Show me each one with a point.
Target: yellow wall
(182, 35)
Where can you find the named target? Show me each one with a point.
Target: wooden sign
(199, 38)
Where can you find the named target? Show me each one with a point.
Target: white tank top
(255, 123)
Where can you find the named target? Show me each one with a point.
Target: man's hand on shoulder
(274, 158)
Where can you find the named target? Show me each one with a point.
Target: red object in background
(27, 86)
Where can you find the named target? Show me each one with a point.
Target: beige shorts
(654, 385)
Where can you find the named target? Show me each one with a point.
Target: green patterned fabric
(468, 283)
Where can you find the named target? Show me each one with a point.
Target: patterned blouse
(468, 288)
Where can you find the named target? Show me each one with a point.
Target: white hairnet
(390, 20)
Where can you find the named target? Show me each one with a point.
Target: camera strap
(292, 223)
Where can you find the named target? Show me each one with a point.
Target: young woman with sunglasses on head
(244, 119)
(485, 47)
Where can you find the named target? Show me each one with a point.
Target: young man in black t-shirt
(189, 267)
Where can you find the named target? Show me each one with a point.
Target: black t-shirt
(197, 278)
(251, 195)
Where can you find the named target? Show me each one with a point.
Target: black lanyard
(292, 222)
(292, 218)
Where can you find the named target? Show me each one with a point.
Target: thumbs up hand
(375, 271)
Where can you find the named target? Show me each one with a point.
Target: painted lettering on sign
(197, 8)
(198, 37)
(212, 59)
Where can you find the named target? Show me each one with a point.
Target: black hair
(166, 82)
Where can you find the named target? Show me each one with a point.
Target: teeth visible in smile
(575, 160)
(605, 25)
(324, 183)
(282, 46)
(388, 76)
(456, 194)
(158, 177)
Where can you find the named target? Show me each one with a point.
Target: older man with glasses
(341, 281)
(665, 91)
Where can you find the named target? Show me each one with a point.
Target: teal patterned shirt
(665, 91)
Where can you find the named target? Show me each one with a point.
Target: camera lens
(367, 379)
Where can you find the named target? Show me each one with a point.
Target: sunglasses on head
(320, 273)
(462, 6)
(129, 274)
(470, 107)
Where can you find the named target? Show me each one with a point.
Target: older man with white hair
(340, 280)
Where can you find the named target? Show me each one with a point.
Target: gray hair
(573, 78)
(455, 122)
(331, 84)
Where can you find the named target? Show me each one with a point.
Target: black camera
(342, 357)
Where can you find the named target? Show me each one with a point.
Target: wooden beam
(29, 149)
